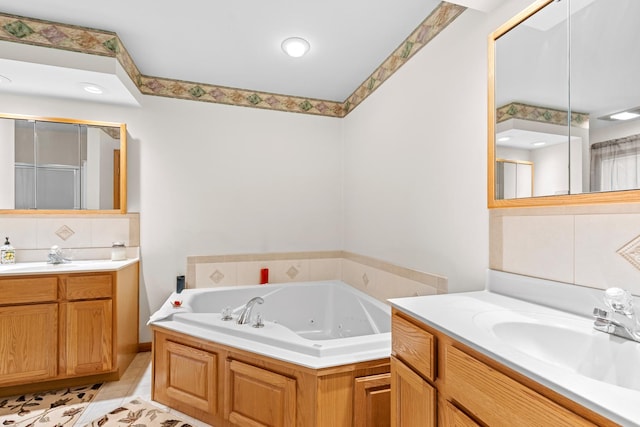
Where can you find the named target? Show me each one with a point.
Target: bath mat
(48, 408)
(138, 413)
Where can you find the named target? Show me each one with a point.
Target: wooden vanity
(438, 381)
(67, 328)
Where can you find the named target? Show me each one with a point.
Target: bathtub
(313, 324)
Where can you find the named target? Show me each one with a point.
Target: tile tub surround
(84, 236)
(380, 279)
(593, 246)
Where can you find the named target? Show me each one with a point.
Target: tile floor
(135, 382)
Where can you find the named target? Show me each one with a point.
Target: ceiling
(236, 44)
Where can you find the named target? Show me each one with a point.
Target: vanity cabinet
(458, 386)
(64, 329)
(225, 386)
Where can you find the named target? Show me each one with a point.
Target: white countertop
(79, 266)
(454, 315)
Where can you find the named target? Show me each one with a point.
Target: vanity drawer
(413, 345)
(489, 395)
(24, 290)
(88, 287)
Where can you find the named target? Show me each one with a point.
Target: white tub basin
(566, 341)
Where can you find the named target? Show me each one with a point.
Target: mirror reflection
(61, 165)
(567, 99)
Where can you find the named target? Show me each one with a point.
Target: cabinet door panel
(28, 343)
(372, 401)
(413, 400)
(256, 397)
(191, 376)
(89, 337)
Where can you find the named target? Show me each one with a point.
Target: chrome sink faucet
(620, 319)
(56, 256)
(245, 316)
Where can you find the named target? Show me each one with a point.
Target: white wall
(415, 160)
(212, 179)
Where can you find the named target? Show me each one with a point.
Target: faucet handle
(619, 300)
(600, 313)
(259, 322)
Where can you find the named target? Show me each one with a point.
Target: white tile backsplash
(542, 244)
(80, 235)
(106, 231)
(89, 236)
(597, 240)
(578, 245)
(22, 232)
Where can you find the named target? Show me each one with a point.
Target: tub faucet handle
(226, 314)
(259, 322)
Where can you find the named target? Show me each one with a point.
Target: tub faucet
(245, 316)
(620, 319)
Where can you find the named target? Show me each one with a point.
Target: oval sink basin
(567, 341)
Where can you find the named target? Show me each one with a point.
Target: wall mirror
(564, 105)
(54, 165)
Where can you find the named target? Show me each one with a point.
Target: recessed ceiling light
(538, 143)
(504, 139)
(4, 80)
(625, 115)
(295, 47)
(92, 88)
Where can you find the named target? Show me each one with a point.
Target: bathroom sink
(567, 341)
(72, 266)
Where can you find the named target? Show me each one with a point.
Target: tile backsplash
(592, 246)
(82, 236)
(377, 278)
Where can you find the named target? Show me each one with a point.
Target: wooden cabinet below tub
(458, 386)
(225, 386)
(65, 329)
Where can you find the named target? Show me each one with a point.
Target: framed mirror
(564, 98)
(56, 165)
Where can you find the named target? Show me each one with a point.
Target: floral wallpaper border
(535, 113)
(98, 42)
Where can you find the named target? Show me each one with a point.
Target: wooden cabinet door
(28, 343)
(372, 401)
(256, 397)
(88, 337)
(189, 376)
(413, 400)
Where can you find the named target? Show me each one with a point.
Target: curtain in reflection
(615, 165)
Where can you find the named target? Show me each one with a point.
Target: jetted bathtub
(314, 324)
